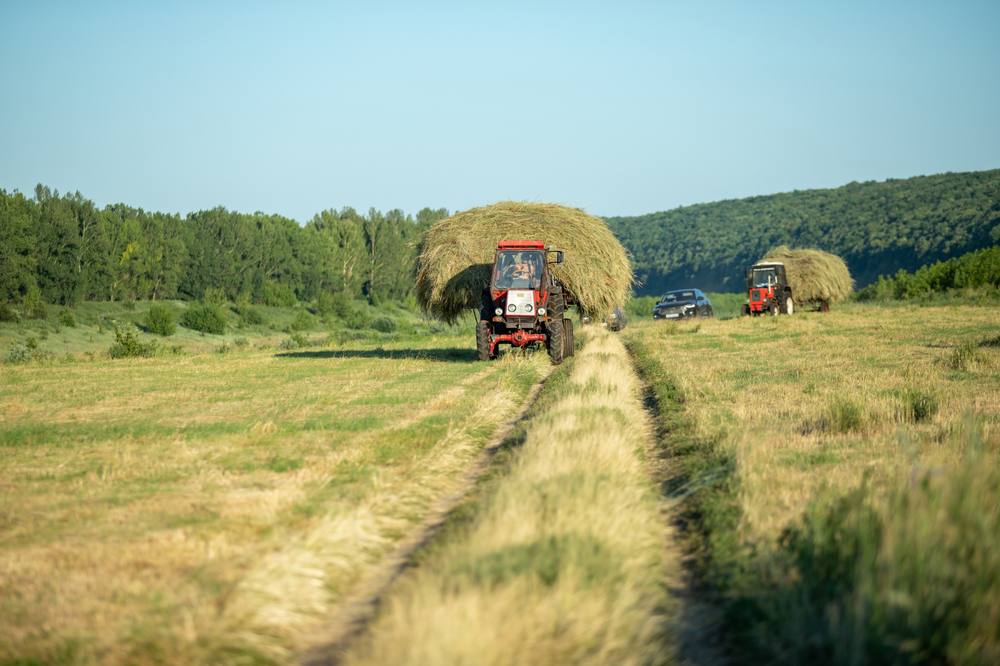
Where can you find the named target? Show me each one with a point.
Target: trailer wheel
(568, 343)
(824, 306)
(483, 334)
(555, 342)
(789, 306)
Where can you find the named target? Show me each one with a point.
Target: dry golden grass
(565, 558)
(215, 508)
(810, 403)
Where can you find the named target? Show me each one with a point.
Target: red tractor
(524, 303)
(768, 290)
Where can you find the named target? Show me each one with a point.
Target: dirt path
(357, 610)
(568, 559)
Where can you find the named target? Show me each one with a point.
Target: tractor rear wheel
(789, 306)
(483, 334)
(555, 342)
(568, 338)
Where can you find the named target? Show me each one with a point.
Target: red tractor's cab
(524, 303)
(768, 290)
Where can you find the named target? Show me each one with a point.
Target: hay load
(814, 275)
(456, 256)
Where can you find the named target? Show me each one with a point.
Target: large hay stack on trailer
(457, 253)
(814, 276)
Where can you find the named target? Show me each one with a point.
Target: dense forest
(877, 227)
(64, 249)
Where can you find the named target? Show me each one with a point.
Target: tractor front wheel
(568, 338)
(483, 335)
(555, 341)
(773, 309)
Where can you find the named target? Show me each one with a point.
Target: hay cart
(524, 303)
(769, 292)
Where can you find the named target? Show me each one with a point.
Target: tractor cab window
(518, 269)
(764, 277)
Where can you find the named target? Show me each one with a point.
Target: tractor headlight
(498, 311)
(527, 307)
(511, 308)
(541, 311)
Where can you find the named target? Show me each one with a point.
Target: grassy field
(840, 478)
(834, 479)
(563, 558)
(213, 508)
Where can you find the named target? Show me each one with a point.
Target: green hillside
(878, 227)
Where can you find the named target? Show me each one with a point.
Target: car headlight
(541, 311)
(498, 311)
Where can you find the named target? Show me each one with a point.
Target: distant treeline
(69, 250)
(877, 227)
(970, 271)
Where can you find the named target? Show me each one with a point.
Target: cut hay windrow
(456, 256)
(814, 275)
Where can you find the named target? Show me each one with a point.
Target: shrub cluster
(160, 320)
(975, 269)
(205, 317)
(127, 344)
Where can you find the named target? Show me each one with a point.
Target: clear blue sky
(615, 107)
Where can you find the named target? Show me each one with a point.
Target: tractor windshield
(764, 277)
(518, 269)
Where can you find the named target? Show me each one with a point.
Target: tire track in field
(580, 485)
(360, 607)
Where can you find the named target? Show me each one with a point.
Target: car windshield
(764, 277)
(674, 296)
(518, 269)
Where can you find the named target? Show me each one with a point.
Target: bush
(294, 341)
(67, 319)
(34, 306)
(278, 294)
(160, 320)
(7, 313)
(384, 324)
(214, 296)
(303, 321)
(18, 353)
(205, 317)
(251, 316)
(127, 345)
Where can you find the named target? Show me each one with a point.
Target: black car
(683, 303)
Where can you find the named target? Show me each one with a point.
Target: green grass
(838, 478)
(133, 481)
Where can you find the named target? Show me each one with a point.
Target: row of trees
(877, 227)
(68, 249)
(973, 270)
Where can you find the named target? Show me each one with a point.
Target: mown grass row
(899, 566)
(561, 557)
(217, 508)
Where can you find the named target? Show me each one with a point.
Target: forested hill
(878, 227)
